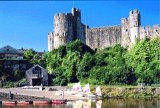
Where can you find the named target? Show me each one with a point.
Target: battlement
(124, 20)
(75, 10)
(135, 11)
(69, 14)
(104, 27)
(50, 34)
(58, 15)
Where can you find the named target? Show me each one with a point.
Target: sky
(25, 24)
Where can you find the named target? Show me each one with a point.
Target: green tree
(29, 54)
(63, 63)
(34, 58)
(144, 59)
(110, 66)
(84, 66)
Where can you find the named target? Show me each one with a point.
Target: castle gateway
(68, 27)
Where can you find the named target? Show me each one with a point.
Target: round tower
(61, 29)
(134, 24)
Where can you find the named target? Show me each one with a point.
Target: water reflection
(107, 103)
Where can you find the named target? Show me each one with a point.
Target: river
(106, 103)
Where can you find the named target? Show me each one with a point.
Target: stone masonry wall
(103, 37)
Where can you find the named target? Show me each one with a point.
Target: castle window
(64, 34)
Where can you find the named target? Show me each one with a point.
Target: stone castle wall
(68, 27)
(103, 37)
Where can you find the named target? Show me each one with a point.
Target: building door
(36, 82)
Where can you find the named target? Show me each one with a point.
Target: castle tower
(125, 39)
(77, 25)
(50, 41)
(134, 24)
(62, 29)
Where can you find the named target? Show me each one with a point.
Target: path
(39, 93)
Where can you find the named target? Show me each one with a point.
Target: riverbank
(45, 93)
(56, 93)
(129, 91)
(16, 97)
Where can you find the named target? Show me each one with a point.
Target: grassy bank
(129, 91)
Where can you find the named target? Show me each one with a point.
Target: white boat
(98, 91)
(98, 94)
(77, 87)
(86, 89)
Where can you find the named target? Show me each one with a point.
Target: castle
(68, 27)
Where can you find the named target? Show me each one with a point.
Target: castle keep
(68, 27)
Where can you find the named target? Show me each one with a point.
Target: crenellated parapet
(150, 32)
(134, 18)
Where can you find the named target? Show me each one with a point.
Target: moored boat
(23, 103)
(43, 102)
(98, 91)
(10, 103)
(59, 101)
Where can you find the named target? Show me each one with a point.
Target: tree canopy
(113, 65)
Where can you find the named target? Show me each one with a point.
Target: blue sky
(26, 23)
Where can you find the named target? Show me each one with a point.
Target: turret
(77, 25)
(125, 26)
(67, 27)
(76, 13)
(125, 32)
(134, 24)
(61, 29)
(50, 41)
